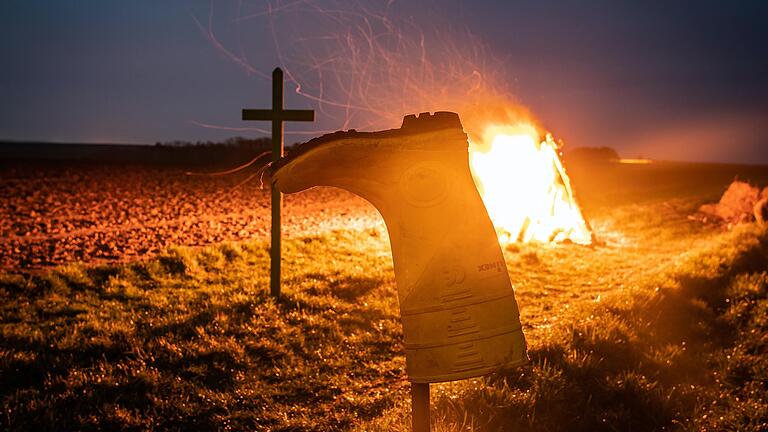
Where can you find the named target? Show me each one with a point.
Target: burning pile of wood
(741, 203)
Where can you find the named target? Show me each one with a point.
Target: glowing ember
(525, 188)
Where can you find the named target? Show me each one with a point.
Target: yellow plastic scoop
(460, 318)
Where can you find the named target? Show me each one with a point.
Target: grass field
(662, 325)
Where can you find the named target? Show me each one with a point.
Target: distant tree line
(182, 154)
(232, 151)
(591, 154)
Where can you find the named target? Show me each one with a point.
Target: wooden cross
(277, 115)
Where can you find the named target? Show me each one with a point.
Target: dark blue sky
(670, 80)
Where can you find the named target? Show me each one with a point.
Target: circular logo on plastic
(424, 184)
(452, 274)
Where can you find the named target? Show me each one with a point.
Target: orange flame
(525, 187)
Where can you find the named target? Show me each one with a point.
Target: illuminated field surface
(662, 323)
(59, 213)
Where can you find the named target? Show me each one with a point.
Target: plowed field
(53, 214)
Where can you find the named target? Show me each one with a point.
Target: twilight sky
(667, 80)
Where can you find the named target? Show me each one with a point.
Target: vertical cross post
(277, 115)
(275, 251)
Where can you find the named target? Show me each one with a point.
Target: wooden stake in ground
(420, 407)
(277, 115)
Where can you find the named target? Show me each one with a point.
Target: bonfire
(525, 187)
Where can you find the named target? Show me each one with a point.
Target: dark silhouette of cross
(277, 115)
